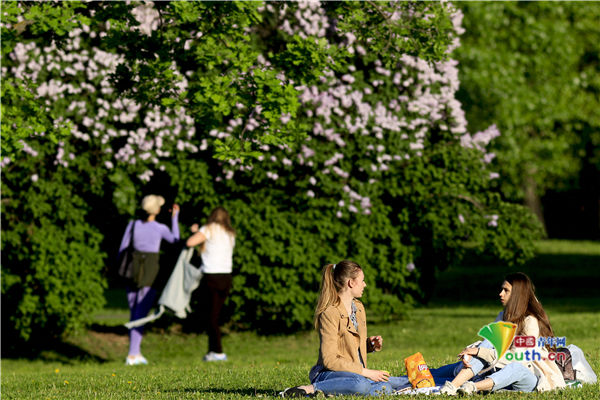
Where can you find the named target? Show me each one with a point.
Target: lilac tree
(329, 130)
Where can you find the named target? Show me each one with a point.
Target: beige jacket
(547, 372)
(340, 341)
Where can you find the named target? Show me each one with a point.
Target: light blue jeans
(338, 382)
(514, 376)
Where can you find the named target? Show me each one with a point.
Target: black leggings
(216, 288)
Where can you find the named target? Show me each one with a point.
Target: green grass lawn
(91, 365)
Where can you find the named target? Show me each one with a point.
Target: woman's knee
(476, 365)
(360, 385)
(516, 375)
(367, 387)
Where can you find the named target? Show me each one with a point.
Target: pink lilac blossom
(428, 106)
(493, 222)
(72, 64)
(409, 117)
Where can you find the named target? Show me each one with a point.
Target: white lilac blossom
(338, 96)
(493, 220)
(76, 71)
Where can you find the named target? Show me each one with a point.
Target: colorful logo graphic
(500, 334)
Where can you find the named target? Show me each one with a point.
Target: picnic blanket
(435, 390)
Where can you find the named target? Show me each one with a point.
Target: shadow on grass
(229, 392)
(53, 351)
(90, 349)
(114, 329)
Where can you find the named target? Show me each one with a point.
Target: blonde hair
(152, 204)
(333, 281)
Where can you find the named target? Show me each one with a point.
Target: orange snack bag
(418, 372)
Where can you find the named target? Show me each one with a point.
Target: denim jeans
(448, 372)
(338, 382)
(514, 376)
(477, 364)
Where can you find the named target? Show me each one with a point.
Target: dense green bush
(330, 145)
(51, 259)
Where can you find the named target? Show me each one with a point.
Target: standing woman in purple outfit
(147, 236)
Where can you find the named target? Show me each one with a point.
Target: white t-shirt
(218, 250)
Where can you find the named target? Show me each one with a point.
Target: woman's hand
(194, 228)
(467, 354)
(175, 209)
(376, 342)
(376, 375)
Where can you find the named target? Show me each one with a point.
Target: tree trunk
(532, 200)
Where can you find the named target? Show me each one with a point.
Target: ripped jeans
(514, 376)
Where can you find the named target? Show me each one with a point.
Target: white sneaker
(467, 388)
(448, 389)
(212, 356)
(136, 360)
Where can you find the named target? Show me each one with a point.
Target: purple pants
(140, 302)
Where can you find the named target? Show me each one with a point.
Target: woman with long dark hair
(521, 307)
(216, 240)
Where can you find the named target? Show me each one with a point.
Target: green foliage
(317, 150)
(533, 69)
(224, 81)
(24, 116)
(280, 252)
(392, 29)
(51, 259)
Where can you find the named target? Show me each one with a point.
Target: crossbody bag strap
(131, 237)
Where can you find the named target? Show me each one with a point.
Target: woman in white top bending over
(217, 240)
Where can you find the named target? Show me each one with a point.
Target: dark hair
(333, 281)
(523, 302)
